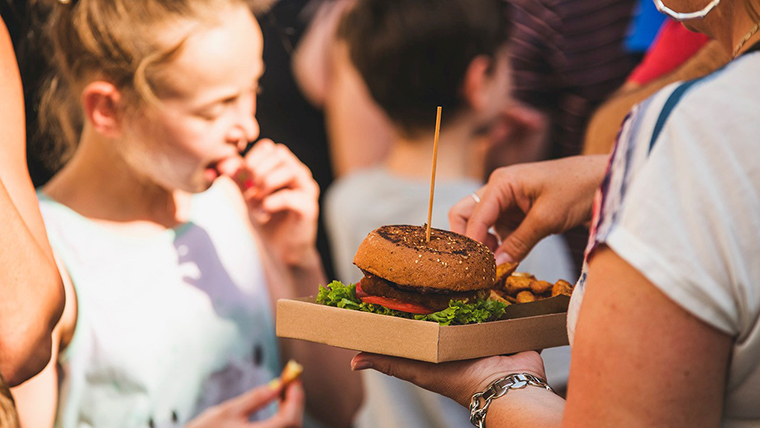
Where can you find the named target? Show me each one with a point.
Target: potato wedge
(562, 287)
(516, 284)
(525, 297)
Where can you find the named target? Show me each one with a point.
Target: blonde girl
(173, 246)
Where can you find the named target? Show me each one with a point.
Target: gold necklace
(749, 34)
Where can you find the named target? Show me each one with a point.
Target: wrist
(481, 401)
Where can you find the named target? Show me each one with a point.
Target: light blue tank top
(167, 326)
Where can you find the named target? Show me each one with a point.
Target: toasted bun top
(450, 261)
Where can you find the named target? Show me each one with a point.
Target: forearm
(333, 391)
(32, 300)
(527, 407)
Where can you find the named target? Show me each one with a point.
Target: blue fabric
(645, 25)
(670, 104)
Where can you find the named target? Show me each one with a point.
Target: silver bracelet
(482, 400)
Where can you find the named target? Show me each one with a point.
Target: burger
(405, 272)
(446, 279)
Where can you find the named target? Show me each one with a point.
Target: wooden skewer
(432, 178)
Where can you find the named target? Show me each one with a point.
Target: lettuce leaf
(344, 296)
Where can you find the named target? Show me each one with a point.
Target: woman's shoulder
(725, 95)
(713, 113)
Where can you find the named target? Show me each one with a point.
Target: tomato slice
(389, 303)
(359, 292)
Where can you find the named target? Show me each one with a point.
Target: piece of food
(562, 287)
(446, 280)
(450, 280)
(291, 372)
(525, 297)
(499, 296)
(503, 271)
(403, 271)
(540, 287)
(517, 282)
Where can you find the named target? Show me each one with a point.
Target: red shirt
(672, 47)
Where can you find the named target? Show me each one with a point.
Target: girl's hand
(236, 412)
(282, 200)
(457, 380)
(528, 202)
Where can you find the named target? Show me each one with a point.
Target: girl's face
(208, 103)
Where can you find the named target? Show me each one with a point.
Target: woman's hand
(282, 200)
(525, 203)
(236, 412)
(457, 380)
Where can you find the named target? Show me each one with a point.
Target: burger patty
(430, 298)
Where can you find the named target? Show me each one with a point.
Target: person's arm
(607, 120)
(37, 398)
(30, 285)
(359, 133)
(281, 197)
(639, 360)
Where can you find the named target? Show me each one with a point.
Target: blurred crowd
(196, 160)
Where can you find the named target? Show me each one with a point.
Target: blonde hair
(117, 41)
(8, 414)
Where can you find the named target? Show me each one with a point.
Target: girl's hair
(118, 41)
(8, 415)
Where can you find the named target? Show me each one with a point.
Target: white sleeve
(686, 212)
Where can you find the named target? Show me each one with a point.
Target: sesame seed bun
(450, 262)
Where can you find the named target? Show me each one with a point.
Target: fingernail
(361, 365)
(274, 384)
(502, 257)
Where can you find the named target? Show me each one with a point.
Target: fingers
(457, 380)
(493, 201)
(515, 246)
(460, 213)
(251, 401)
(272, 179)
(266, 162)
(416, 372)
(290, 413)
(453, 380)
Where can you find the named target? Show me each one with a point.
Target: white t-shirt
(167, 326)
(366, 200)
(681, 204)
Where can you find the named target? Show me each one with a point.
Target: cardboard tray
(536, 325)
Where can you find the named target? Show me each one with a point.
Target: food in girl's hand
(290, 373)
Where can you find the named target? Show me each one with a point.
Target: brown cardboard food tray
(536, 325)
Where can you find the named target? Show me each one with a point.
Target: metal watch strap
(482, 400)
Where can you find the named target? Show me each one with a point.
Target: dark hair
(413, 54)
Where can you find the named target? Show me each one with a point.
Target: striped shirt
(568, 56)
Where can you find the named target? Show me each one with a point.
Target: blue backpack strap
(668, 108)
